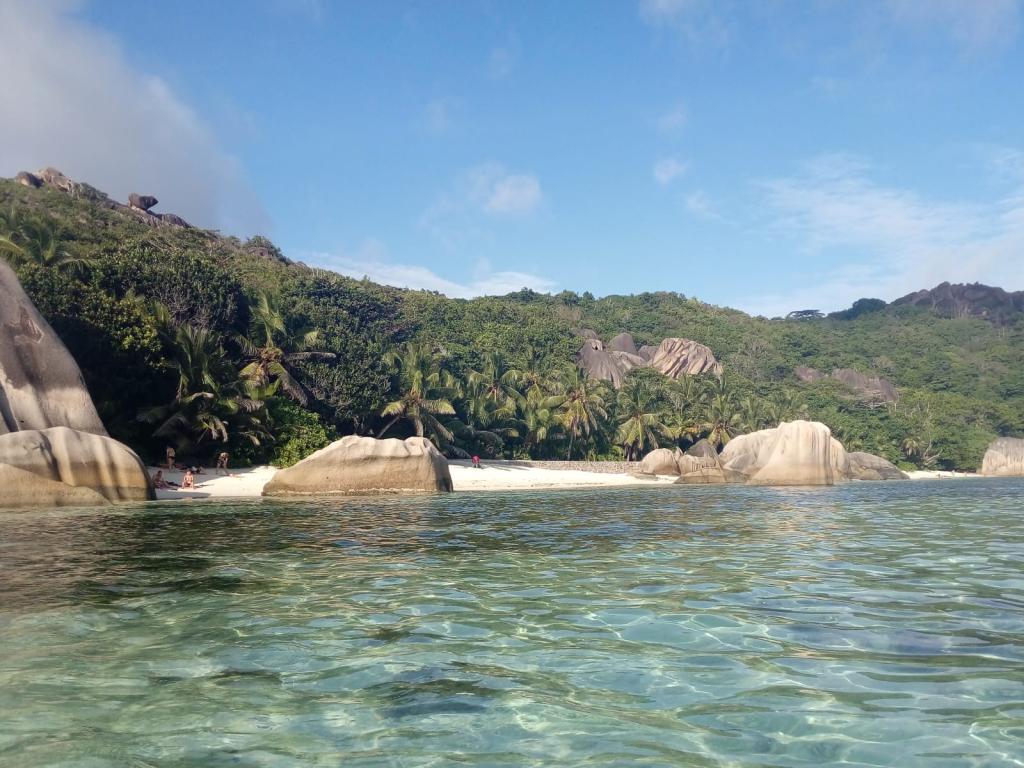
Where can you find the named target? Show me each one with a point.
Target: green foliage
(297, 432)
(492, 375)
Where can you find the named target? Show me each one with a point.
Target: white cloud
(699, 22)
(699, 205)
(480, 196)
(514, 194)
(668, 169)
(886, 241)
(977, 26)
(504, 59)
(664, 11)
(674, 120)
(72, 101)
(371, 260)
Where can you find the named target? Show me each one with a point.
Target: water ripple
(870, 624)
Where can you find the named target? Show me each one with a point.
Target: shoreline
(500, 475)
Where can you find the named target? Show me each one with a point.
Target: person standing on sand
(170, 457)
(222, 463)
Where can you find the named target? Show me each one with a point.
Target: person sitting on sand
(222, 463)
(170, 457)
(476, 462)
(158, 480)
(188, 482)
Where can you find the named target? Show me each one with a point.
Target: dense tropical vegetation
(189, 338)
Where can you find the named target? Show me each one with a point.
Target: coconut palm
(211, 401)
(722, 419)
(640, 416)
(272, 348)
(686, 407)
(753, 415)
(28, 240)
(538, 418)
(491, 392)
(582, 405)
(426, 391)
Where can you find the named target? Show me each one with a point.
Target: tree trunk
(388, 426)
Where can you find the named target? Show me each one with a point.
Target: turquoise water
(869, 624)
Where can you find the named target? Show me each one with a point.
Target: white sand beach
(248, 483)
(937, 474)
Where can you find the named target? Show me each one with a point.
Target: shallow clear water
(869, 624)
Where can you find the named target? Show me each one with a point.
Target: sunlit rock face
(1004, 458)
(673, 358)
(40, 383)
(366, 465)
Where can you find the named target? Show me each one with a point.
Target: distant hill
(928, 379)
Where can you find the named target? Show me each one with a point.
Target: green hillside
(190, 338)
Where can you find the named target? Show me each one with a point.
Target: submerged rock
(60, 467)
(1004, 458)
(366, 465)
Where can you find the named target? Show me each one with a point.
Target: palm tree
(491, 391)
(211, 400)
(752, 414)
(721, 417)
(641, 422)
(425, 389)
(26, 240)
(535, 376)
(582, 406)
(538, 418)
(686, 406)
(272, 348)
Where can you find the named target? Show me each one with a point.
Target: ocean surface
(872, 624)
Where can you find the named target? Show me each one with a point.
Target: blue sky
(766, 155)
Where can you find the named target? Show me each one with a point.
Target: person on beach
(170, 457)
(222, 463)
(476, 462)
(159, 482)
(188, 481)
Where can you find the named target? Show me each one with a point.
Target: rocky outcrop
(673, 358)
(141, 202)
(867, 466)
(40, 384)
(682, 357)
(801, 453)
(623, 343)
(794, 453)
(366, 465)
(61, 467)
(661, 461)
(701, 465)
(973, 300)
(871, 388)
(1004, 458)
(138, 205)
(27, 179)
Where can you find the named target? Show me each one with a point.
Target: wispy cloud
(75, 103)
(371, 260)
(673, 121)
(883, 241)
(699, 204)
(976, 26)
(437, 116)
(698, 21)
(668, 169)
(504, 58)
(513, 194)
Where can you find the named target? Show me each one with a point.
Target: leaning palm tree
(211, 401)
(425, 389)
(272, 348)
(582, 405)
(641, 419)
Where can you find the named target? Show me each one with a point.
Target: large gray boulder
(867, 466)
(679, 357)
(599, 363)
(61, 467)
(40, 384)
(701, 465)
(366, 465)
(623, 343)
(794, 453)
(142, 202)
(661, 461)
(1004, 458)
